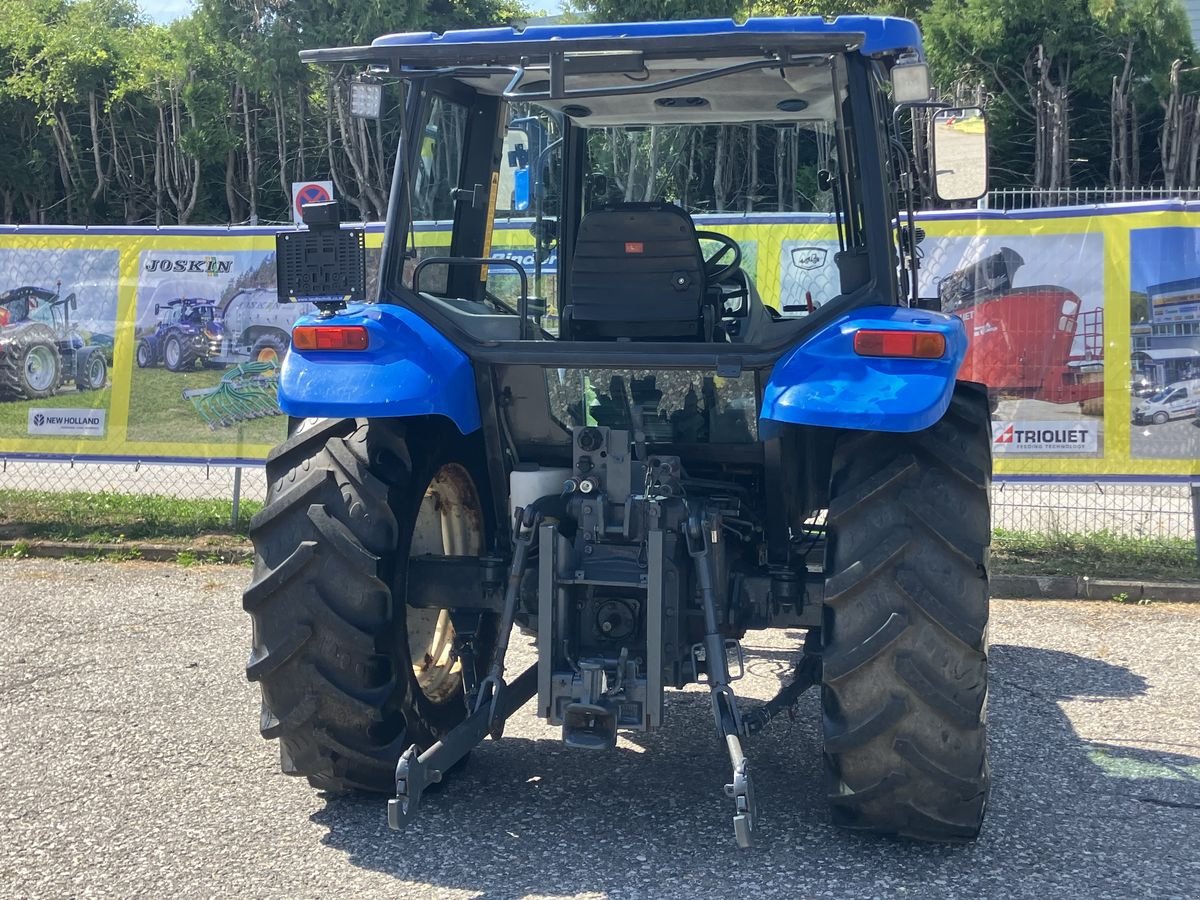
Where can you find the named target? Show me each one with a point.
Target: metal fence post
(1196, 516)
(237, 496)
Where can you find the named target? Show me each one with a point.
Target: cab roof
(874, 36)
(879, 34)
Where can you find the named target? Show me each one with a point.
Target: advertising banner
(165, 344)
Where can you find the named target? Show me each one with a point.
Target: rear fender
(408, 369)
(824, 382)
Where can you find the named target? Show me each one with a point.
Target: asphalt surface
(132, 766)
(1177, 439)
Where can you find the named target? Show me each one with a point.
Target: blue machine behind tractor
(661, 467)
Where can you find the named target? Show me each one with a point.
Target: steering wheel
(716, 271)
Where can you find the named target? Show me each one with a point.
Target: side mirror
(959, 156)
(157, 308)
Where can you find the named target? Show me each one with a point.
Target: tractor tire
(30, 369)
(333, 641)
(904, 630)
(91, 369)
(269, 348)
(144, 354)
(178, 356)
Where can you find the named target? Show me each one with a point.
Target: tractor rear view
(640, 460)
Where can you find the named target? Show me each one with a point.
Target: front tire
(178, 356)
(334, 643)
(904, 691)
(91, 369)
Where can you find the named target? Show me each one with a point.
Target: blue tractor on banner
(187, 330)
(665, 464)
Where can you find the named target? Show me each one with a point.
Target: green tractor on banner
(648, 462)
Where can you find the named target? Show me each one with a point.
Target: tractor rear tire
(334, 642)
(30, 369)
(904, 690)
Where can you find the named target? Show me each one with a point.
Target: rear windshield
(743, 183)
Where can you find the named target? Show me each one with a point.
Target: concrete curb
(1072, 587)
(1005, 587)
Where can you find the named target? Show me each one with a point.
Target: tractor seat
(638, 274)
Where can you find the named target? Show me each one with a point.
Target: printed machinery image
(189, 329)
(40, 350)
(257, 326)
(1022, 338)
(661, 470)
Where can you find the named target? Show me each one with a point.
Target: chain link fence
(1155, 510)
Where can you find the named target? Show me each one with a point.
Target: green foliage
(106, 117)
(994, 43)
(107, 517)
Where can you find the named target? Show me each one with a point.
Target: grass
(202, 526)
(158, 412)
(106, 518)
(14, 414)
(1098, 555)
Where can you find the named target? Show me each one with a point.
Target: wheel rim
(172, 354)
(449, 523)
(40, 368)
(143, 355)
(268, 354)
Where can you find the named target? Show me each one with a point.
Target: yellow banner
(164, 344)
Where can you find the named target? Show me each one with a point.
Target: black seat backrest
(637, 273)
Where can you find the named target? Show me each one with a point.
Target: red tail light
(905, 344)
(329, 337)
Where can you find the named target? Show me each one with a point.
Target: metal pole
(237, 497)
(1196, 516)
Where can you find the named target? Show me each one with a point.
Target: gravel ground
(132, 766)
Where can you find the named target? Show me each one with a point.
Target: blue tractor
(664, 464)
(187, 329)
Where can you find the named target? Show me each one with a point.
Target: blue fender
(408, 369)
(824, 382)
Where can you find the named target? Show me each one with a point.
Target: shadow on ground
(1068, 816)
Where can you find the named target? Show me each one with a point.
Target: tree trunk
(94, 124)
(231, 196)
(251, 136)
(281, 138)
(752, 188)
(652, 166)
(719, 162)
